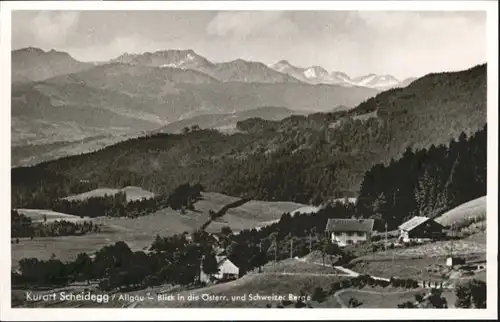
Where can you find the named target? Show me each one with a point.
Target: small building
(227, 270)
(453, 261)
(349, 231)
(420, 228)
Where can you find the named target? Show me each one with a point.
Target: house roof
(341, 225)
(222, 259)
(413, 223)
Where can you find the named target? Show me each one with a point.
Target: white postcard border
(46, 314)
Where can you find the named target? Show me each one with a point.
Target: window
(360, 234)
(350, 234)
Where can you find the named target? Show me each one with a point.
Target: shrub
(334, 287)
(382, 283)
(353, 302)
(471, 294)
(346, 283)
(406, 305)
(105, 285)
(300, 304)
(319, 295)
(435, 300)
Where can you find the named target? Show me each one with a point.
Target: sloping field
(249, 215)
(137, 193)
(317, 257)
(65, 248)
(133, 193)
(424, 262)
(306, 210)
(436, 249)
(38, 215)
(415, 268)
(168, 221)
(139, 232)
(100, 192)
(463, 213)
(381, 298)
(479, 238)
(295, 266)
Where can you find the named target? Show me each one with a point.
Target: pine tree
(209, 264)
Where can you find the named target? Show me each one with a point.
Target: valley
(165, 172)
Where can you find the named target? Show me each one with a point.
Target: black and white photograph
(218, 155)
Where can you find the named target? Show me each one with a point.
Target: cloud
(418, 21)
(53, 28)
(242, 24)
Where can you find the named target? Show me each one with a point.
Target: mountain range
(234, 71)
(34, 64)
(61, 106)
(319, 75)
(57, 99)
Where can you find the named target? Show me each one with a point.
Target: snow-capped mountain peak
(315, 72)
(173, 58)
(319, 75)
(283, 66)
(340, 76)
(377, 81)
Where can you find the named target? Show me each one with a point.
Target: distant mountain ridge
(34, 64)
(319, 75)
(238, 70)
(58, 101)
(145, 92)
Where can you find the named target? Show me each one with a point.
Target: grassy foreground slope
(473, 209)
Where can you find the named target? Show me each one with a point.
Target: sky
(403, 44)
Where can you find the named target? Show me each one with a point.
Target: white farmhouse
(349, 231)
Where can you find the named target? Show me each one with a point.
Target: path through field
(346, 271)
(351, 273)
(343, 305)
(307, 274)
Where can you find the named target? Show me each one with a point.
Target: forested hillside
(306, 159)
(421, 182)
(425, 182)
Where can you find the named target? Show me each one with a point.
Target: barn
(420, 228)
